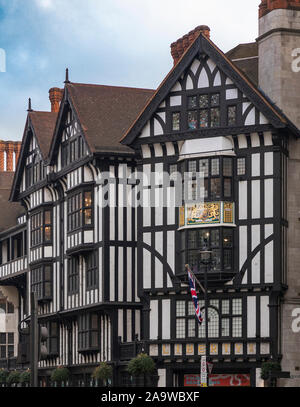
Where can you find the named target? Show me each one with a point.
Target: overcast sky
(111, 42)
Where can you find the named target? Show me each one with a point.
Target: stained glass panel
(203, 101)
(176, 121)
(215, 117)
(215, 99)
(192, 102)
(192, 120)
(203, 118)
(231, 115)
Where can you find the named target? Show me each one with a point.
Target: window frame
(73, 275)
(86, 330)
(39, 281)
(77, 210)
(92, 270)
(40, 228)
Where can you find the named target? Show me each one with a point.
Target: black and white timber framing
(139, 279)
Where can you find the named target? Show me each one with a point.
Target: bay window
(80, 210)
(41, 281)
(88, 332)
(41, 227)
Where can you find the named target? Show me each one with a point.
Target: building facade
(111, 219)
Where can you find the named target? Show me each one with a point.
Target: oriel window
(203, 111)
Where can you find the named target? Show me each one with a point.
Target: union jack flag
(194, 296)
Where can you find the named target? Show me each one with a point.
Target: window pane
(241, 166)
(47, 217)
(237, 306)
(231, 115)
(225, 327)
(215, 117)
(227, 188)
(191, 308)
(176, 121)
(215, 166)
(203, 101)
(94, 339)
(2, 308)
(215, 99)
(10, 308)
(215, 186)
(180, 308)
(3, 352)
(203, 167)
(180, 328)
(10, 338)
(192, 120)
(215, 238)
(192, 166)
(94, 321)
(87, 199)
(203, 118)
(2, 338)
(236, 327)
(227, 167)
(88, 216)
(191, 328)
(227, 237)
(216, 259)
(192, 102)
(225, 306)
(227, 258)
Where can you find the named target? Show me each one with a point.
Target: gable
(205, 73)
(31, 167)
(203, 97)
(72, 146)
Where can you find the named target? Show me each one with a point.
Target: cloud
(45, 4)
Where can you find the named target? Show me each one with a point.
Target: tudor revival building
(111, 279)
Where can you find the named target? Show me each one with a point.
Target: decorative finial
(29, 105)
(67, 76)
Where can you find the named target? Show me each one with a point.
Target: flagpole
(204, 290)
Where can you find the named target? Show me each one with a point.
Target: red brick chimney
(181, 45)
(268, 5)
(55, 96)
(9, 148)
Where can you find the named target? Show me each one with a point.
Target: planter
(25, 378)
(3, 377)
(142, 368)
(13, 378)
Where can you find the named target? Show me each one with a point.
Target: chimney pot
(181, 45)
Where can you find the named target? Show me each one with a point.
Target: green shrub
(3, 375)
(268, 367)
(13, 377)
(103, 372)
(59, 375)
(25, 376)
(141, 365)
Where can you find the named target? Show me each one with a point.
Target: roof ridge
(110, 86)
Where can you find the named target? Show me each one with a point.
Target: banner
(218, 380)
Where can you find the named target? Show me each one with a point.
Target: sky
(109, 42)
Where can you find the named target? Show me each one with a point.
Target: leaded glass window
(192, 120)
(192, 102)
(204, 118)
(241, 166)
(231, 115)
(176, 121)
(203, 101)
(215, 117)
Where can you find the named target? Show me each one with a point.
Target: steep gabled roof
(203, 45)
(104, 113)
(41, 125)
(9, 210)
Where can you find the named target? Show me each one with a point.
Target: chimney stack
(181, 45)
(55, 96)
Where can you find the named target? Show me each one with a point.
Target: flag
(194, 296)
